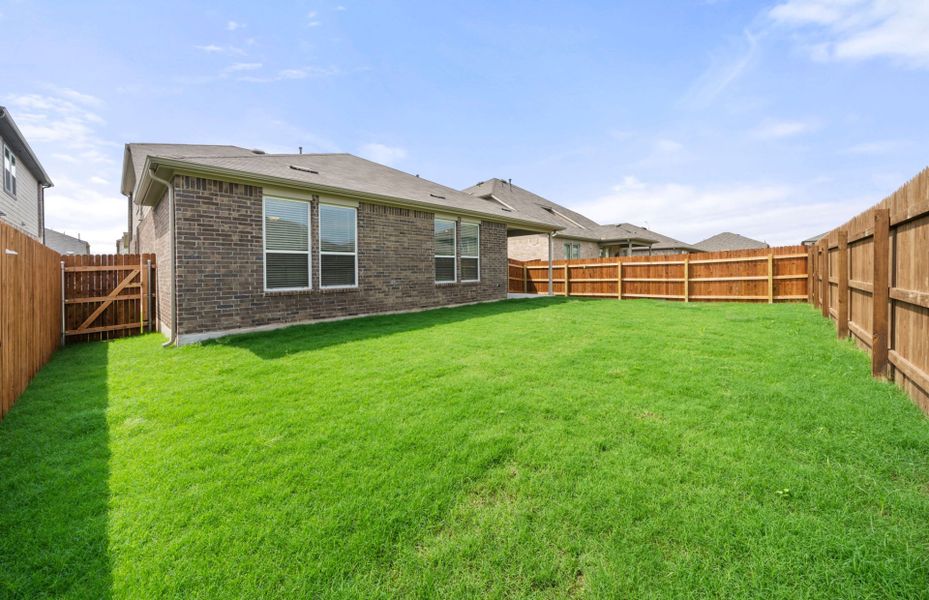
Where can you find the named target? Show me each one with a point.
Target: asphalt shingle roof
(338, 171)
(575, 224)
(729, 241)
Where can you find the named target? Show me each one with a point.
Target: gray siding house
(22, 191)
(250, 241)
(579, 237)
(63, 243)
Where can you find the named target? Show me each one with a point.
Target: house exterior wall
(65, 244)
(535, 247)
(220, 263)
(154, 235)
(24, 211)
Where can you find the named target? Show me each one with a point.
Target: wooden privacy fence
(764, 275)
(30, 310)
(871, 275)
(107, 296)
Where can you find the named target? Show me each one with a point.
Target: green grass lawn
(537, 448)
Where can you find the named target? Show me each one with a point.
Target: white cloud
(290, 74)
(771, 129)
(98, 215)
(74, 95)
(233, 25)
(860, 29)
(875, 148)
(725, 69)
(311, 20)
(776, 213)
(217, 49)
(381, 153)
(67, 137)
(237, 67)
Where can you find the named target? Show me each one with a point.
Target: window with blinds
(9, 171)
(338, 246)
(287, 244)
(470, 251)
(445, 242)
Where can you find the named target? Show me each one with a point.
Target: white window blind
(287, 244)
(338, 241)
(445, 253)
(470, 251)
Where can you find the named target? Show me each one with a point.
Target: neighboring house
(22, 191)
(729, 241)
(580, 237)
(664, 245)
(63, 243)
(250, 241)
(811, 241)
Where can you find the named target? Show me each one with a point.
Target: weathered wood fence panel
(765, 275)
(880, 285)
(30, 310)
(108, 296)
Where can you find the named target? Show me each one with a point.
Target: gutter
(251, 178)
(173, 242)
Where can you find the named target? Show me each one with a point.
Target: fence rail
(107, 296)
(765, 275)
(871, 276)
(30, 310)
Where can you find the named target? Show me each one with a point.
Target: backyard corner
(550, 447)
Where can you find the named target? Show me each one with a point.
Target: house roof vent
(304, 169)
(257, 151)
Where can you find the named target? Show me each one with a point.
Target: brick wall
(220, 263)
(154, 236)
(535, 247)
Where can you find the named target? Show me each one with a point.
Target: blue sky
(775, 119)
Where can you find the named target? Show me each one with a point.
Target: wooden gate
(107, 296)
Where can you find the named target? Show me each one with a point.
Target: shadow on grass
(300, 338)
(54, 474)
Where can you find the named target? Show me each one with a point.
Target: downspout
(173, 242)
(551, 242)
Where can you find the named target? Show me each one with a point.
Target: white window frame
(11, 191)
(569, 249)
(453, 256)
(309, 245)
(478, 256)
(319, 234)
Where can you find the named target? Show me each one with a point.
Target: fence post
(63, 305)
(687, 278)
(842, 304)
(143, 275)
(881, 296)
(525, 279)
(771, 277)
(619, 279)
(148, 299)
(824, 276)
(809, 276)
(567, 280)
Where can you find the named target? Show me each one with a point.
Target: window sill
(292, 292)
(312, 291)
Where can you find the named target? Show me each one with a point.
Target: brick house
(578, 236)
(250, 241)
